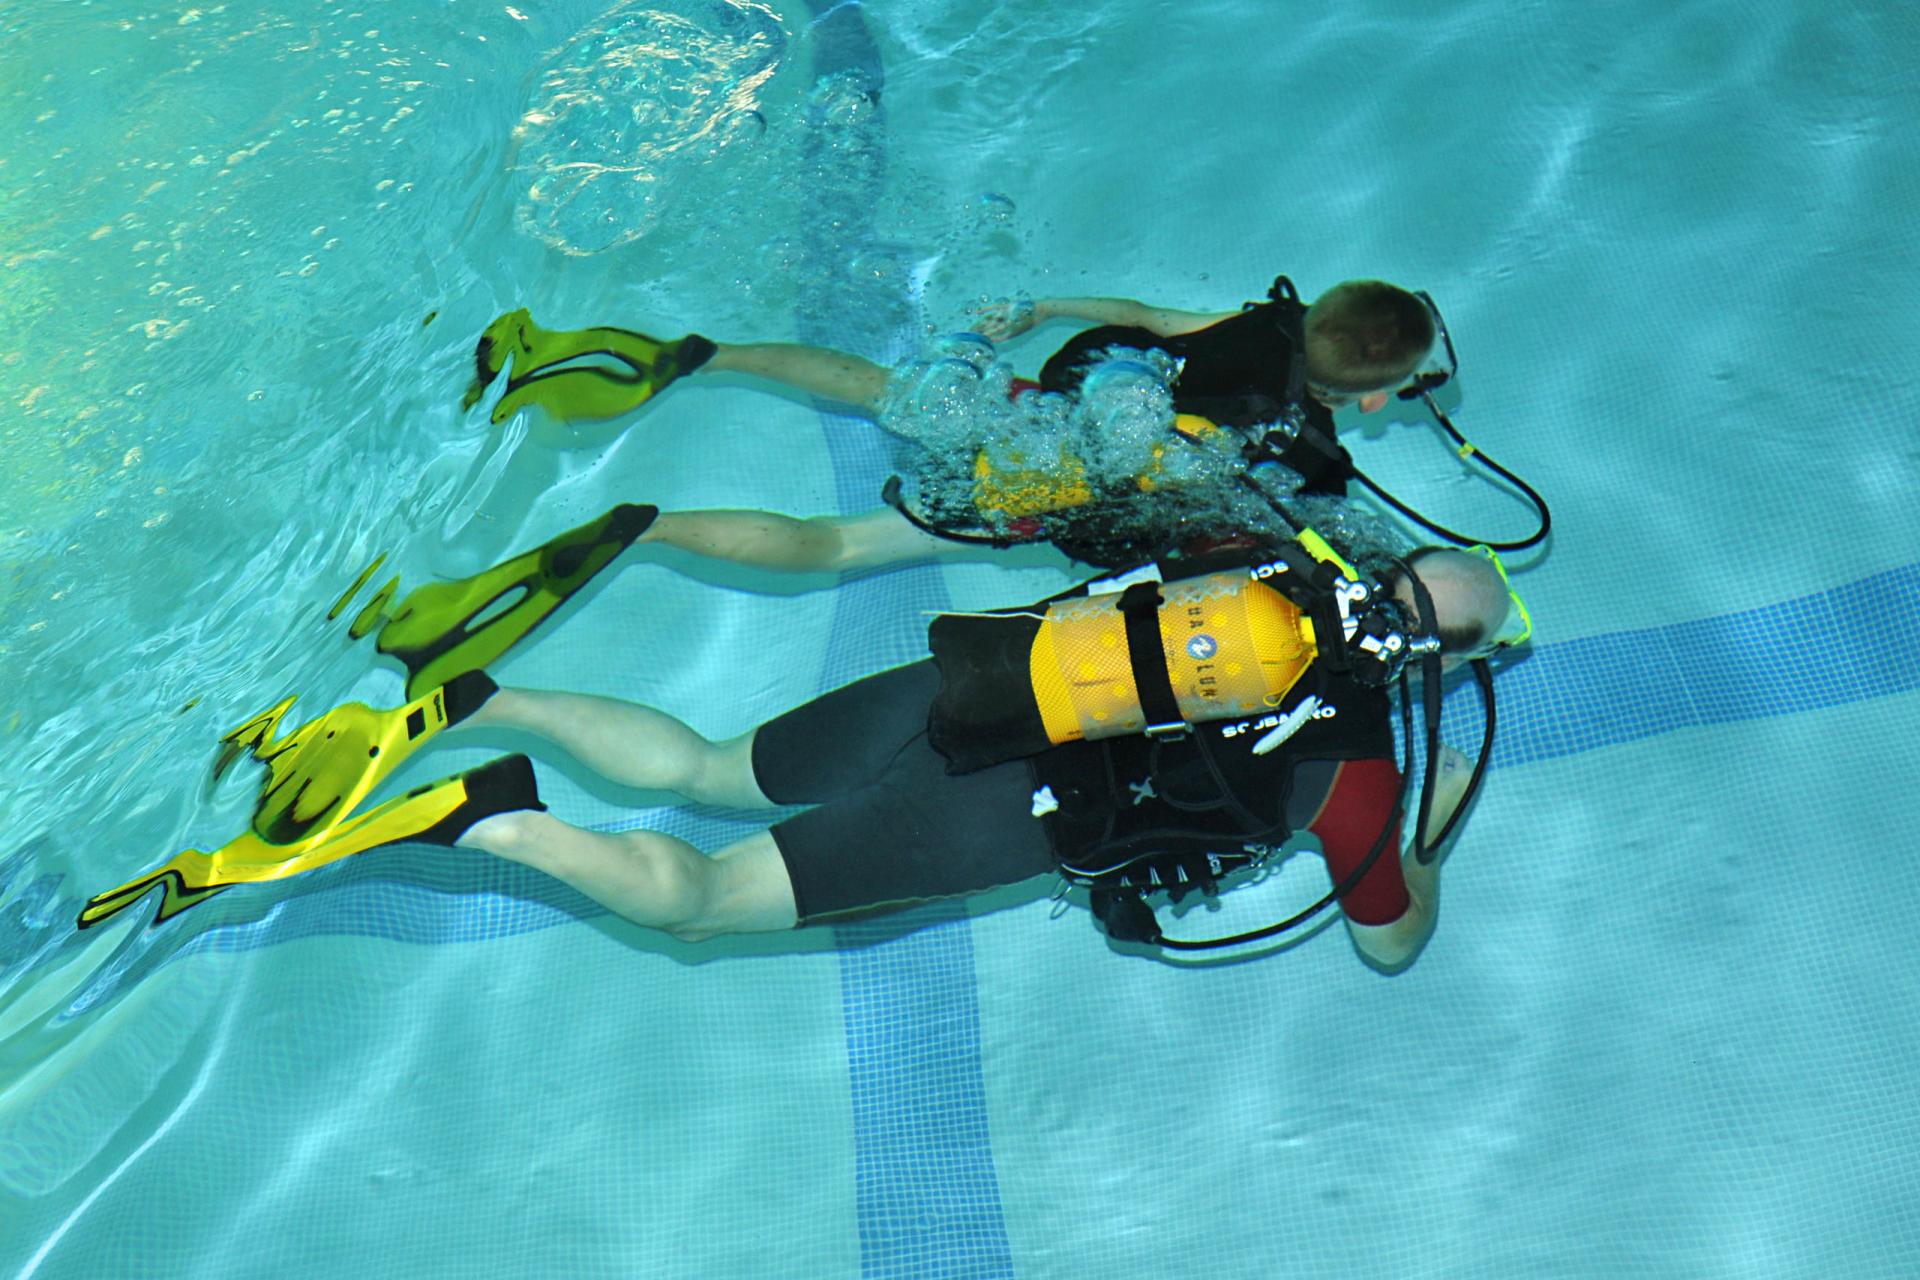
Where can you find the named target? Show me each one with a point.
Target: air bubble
(843, 100)
(994, 207)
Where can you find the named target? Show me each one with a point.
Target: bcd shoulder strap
(1140, 608)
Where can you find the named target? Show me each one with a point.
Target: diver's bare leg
(820, 544)
(649, 877)
(631, 744)
(819, 371)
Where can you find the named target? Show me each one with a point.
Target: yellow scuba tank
(1233, 646)
(1018, 490)
(1140, 655)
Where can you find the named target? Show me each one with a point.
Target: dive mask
(1518, 625)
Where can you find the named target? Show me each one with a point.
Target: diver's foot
(691, 353)
(465, 694)
(626, 522)
(504, 786)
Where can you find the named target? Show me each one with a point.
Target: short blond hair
(1366, 335)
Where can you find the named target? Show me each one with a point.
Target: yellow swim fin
(437, 813)
(578, 375)
(318, 773)
(507, 339)
(444, 629)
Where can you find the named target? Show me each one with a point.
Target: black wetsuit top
(1201, 793)
(1236, 372)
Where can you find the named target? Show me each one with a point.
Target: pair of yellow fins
(317, 776)
(445, 634)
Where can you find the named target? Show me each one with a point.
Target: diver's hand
(1001, 318)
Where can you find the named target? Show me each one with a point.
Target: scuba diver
(1248, 387)
(1356, 343)
(1235, 371)
(1155, 734)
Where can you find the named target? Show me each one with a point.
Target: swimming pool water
(1661, 1029)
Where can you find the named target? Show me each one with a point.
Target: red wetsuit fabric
(1348, 823)
(1026, 529)
(1225, 542)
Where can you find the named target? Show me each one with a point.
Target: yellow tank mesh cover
(1016, 489)
(1232, 646)
(1031, 491)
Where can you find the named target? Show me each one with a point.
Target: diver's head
(1365, 338)
(1477, 611)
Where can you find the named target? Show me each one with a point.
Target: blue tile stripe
(927, 1195)
(1845, 644)
(927, 1191)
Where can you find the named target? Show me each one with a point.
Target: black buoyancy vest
(1237, 372)
(1234, 371)
(1187, 808)
(1122, 528)
(1182, 812)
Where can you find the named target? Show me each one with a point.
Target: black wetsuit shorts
(891, 826)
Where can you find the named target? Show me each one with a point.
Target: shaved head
(1469, 596)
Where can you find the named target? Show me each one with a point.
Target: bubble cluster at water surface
(628, 110)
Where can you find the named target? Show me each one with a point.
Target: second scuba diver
(1140, 736)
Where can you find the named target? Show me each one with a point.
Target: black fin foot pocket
(466, 694)
(693, 352)
(624, 523)
(505, 785)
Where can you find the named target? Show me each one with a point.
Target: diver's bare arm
(1165, 321)
(1394, 945)
(1450, 789)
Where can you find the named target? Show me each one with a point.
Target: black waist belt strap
(1140, 607)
